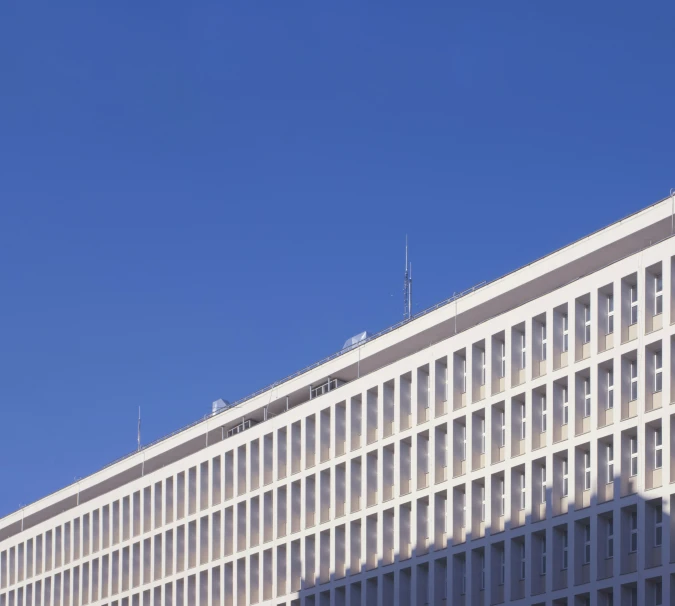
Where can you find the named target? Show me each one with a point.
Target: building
(510, 445)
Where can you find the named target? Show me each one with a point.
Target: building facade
(510, 445)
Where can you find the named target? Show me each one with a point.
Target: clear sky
(197, 199)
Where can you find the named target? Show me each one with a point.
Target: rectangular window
(658, 594)
(482, 436)
(482, 367)
(658, 295)
(502, 567)
(503, 364)
(633, 456)
(543, 342)
(633, 531)
(565, 335)
(658, 372)
(587, 544)
(482, 503)
(610, 314)
(658, 526)
(464, 510)
(502, 494)
(523, 561)
(633, 305)
(522, 421)
(463, 375)
(565, 478)
(522, 491)
(587, 470)
(463, 591)
(658, 449)
(587, 397)
(502, 421)
(523, 351)
(566, 407)
(482, 571)
(610, 538)
(610, 463)
(543, 555)
(633, 380)
(610, 389)
(587, 323)
(543, 484)
(543, 414)
(463, 430)
(565, 550)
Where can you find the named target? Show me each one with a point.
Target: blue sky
(198, 199)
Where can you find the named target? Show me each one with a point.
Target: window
(587, 544)
(463, 591)
(566, 408)
(522, 561)
(482, 436)
(565, 478)
(503, 364)
(463, 375)
(522, 421)
(502, 421)
(658, 295)
(610, 389)
(658, 594)
(464, 510)
(565, 335)
(463, 430)
(633, 305)
(587, 323)
(543, 342)
(587, 470)
(502, 493)
(610, 538)
(543, 414)
(482, 503)
(658, 372)
(482, 367)
(633, 380)
(482, 571)
(502, 567)
(610, 463)
(522, 490)
(610, 314)
(565, 550)
(633, 531)
(633, 456)
(543, 484)
(587, 397)
(658, 449)
(523, 351)
(543, 555)
(658, 526)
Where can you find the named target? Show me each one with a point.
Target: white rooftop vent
(355, 340)
(219, 405)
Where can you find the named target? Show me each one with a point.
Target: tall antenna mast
(407, 285)
(139, 428)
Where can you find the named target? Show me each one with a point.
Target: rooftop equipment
(219, 405)
(355, 340)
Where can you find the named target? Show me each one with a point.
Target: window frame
(633, 532)
(587, 324)
(566, 406)
(544, 341)
(587, 397)
(658, 448)
(544, 414)
(634, 462)
(609, 545)
(634, 312)
(610, 314)
(564, 564)
(658, 371)
(658, 294)
(565, 333)
(609, 405)
(634, 389)
(658, 526)
(565, 477)
(610, 463)
(587, 470)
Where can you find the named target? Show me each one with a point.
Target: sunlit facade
(510, 445)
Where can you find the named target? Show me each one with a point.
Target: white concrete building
(512, 445)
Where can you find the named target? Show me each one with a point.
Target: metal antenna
(407, 285)
(139, 428)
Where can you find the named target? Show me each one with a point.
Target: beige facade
(511, 445)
